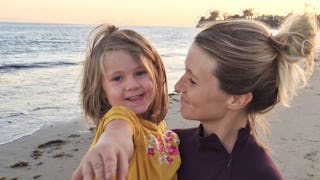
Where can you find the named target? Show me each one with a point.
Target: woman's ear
(239, 101)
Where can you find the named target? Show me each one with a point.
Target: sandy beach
(54, 152)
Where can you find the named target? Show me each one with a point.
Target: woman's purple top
(205, 158)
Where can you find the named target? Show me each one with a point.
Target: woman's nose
(178, 86)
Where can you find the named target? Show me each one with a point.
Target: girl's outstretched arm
(110, 156)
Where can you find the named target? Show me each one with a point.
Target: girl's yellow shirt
(156, 154)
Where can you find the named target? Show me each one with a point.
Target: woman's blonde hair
(251, 59)
(108, 38)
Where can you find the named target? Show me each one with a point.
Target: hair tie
(305, 51)
(274, 44)
(112, 28)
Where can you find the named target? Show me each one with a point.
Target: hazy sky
(139, 12)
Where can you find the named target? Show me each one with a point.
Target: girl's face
(126, 82)
(201, 97)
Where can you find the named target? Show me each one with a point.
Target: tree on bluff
(214, 15)
(248, 13)
(271, 20)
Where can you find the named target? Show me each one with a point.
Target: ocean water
(40, 71)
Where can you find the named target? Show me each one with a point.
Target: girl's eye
(192, 81)
(117, 78)
(141, 73)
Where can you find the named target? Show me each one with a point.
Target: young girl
(124, 92)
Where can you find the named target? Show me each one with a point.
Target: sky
(140, 12)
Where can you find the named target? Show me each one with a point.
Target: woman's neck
(226, 129)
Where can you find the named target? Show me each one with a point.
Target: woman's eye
(192, 81)
(141, 73)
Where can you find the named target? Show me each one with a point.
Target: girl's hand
(110, 156)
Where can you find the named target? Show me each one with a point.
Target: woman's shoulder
(259, 161)
(186, 131)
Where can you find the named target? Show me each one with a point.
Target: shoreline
(53, 152)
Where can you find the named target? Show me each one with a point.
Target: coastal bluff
(205, 23)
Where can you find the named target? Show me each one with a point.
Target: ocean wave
(35, 65)
(44, 108)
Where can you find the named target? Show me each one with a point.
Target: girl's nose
(132, 84)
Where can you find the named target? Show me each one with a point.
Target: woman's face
(201, 97)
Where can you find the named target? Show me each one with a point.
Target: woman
(235, 72)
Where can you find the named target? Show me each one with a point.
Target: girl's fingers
(87, 170)
(110, 164)
(98, 169)
(123, 165)
(77, 174)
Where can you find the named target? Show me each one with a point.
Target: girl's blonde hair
(251, 59)
(108, 38)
